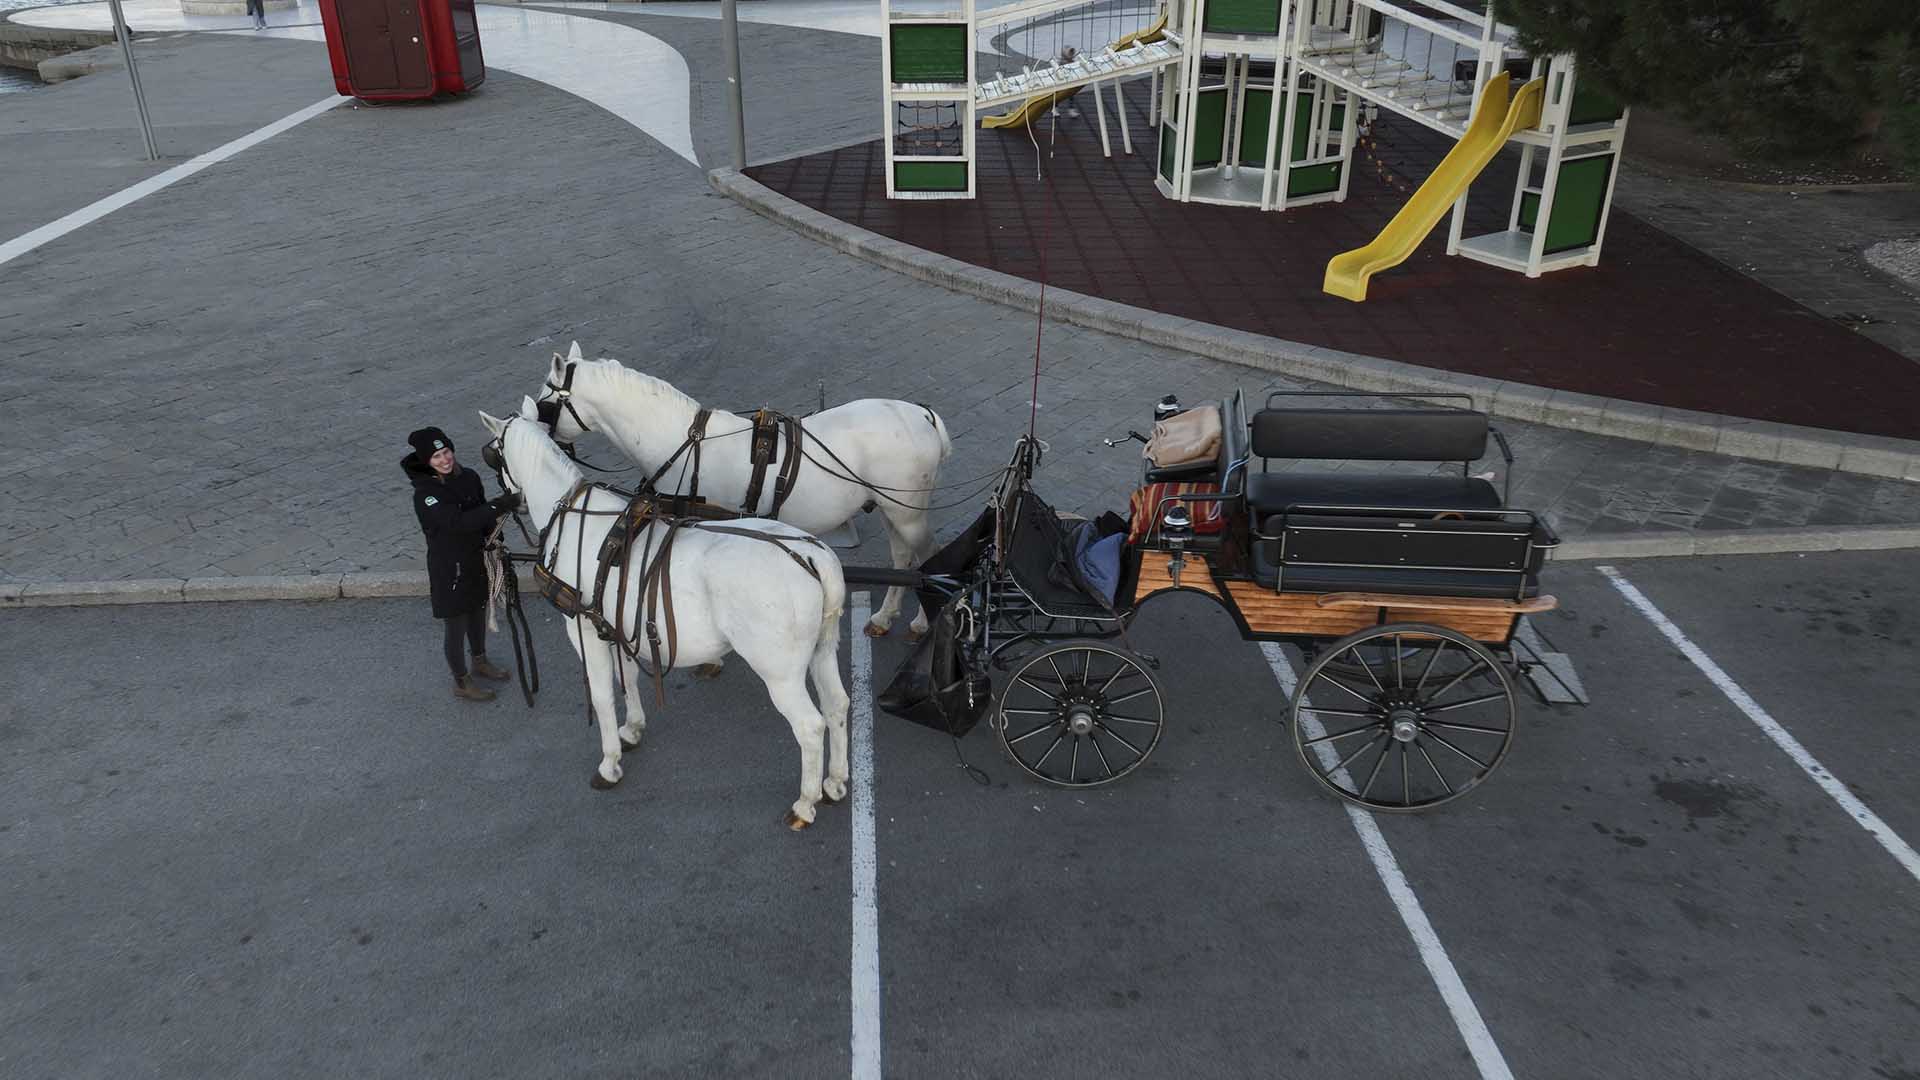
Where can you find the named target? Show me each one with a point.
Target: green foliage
(1781, 77)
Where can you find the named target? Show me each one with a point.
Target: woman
(457, 517)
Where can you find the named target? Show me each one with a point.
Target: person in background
(456, 517)
(258, 9)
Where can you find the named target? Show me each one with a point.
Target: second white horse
(875, 453)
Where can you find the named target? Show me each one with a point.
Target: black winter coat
(454, 514)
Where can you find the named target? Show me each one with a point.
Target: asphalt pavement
(263, 839)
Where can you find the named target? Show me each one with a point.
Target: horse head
(556, 407)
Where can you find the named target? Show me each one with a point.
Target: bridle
(547, 409)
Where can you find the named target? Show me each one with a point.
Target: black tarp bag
(933, 688)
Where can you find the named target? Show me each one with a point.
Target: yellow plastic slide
(1347, 272)
(1036, 106)
(1029, 111)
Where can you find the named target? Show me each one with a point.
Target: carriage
(1404, 586)
(1404, 591)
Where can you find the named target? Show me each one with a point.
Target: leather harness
(764, 450)
(635, 523)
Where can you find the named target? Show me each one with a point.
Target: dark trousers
(473, 627)
(256, 7)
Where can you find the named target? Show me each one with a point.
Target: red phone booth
(393, 50)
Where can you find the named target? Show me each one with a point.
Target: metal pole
(133, 75)
(730, 31)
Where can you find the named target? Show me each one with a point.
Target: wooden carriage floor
(1658, 321)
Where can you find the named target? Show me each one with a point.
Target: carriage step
(1553, 676)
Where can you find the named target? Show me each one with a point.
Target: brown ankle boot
(484, 668)
(464, 689)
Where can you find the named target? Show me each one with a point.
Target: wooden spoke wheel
(1403, 716)
(1080, 713)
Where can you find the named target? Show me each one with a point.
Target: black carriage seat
(1445, 534)
(1347, 434)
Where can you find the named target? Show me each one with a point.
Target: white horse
(893, 448)
(731, 593)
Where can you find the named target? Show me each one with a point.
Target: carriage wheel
(1080, 714)
(1422, 728)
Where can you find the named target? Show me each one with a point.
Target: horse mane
(651, 387)
(551, 461)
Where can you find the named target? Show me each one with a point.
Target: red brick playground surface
(1656, 322)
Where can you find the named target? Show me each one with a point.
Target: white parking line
(1466, 1016)
(1829, 783)
(866, 910)
(93, 212)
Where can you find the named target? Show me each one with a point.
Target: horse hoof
(877, 631)
(828, 800)
(796, 822)
(707, 671)
(626, 748)
(914, 636)
(601, 783)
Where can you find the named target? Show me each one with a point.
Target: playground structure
(1234, 81)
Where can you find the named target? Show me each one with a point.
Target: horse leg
(600, 665)
(911, 537)
(633, 679)
(825, 672)
(789, 694)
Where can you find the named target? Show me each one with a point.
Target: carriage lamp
(1176, 528)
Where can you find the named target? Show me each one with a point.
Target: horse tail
(940, 428)
(833, 595)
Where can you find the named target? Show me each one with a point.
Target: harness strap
(777, 541)
(760, 453)
(789, 469)
(695, 434)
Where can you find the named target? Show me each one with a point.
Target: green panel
(1529, 209)
(1253, 128)
(1209, 127)
(930, 52)
(1590, 106)
(1166, 152)
(930, 176)
(1313, 179)
(1578, 199)
(1577, 202)
(1303, 123)
(1243, 17)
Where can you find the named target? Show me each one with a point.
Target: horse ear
(573, 352)
(528, 410)
(559, 368)
(494, 427)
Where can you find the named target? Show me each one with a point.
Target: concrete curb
(356, 586)
(1760, 440)
(1739, 542)
(390, 583)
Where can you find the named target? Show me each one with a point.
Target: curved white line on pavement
(628, 72)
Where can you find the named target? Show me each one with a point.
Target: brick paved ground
(1658, 321)
(217, 379)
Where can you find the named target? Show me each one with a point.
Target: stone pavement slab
(74, 143)
(216, 381)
